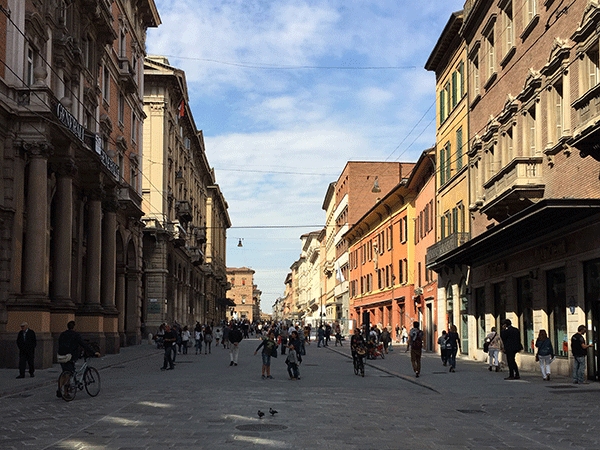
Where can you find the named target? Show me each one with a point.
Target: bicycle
(359, 364)
(85, 377)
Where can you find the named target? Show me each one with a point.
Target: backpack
(417, 340)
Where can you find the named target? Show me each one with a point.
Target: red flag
(181, 108)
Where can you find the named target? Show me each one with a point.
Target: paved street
(205, 403)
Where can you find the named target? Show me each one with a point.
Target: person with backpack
(454, 344)
(494, 342)
(442, 340)
(416, 347)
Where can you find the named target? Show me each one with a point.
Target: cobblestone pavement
(206, 403)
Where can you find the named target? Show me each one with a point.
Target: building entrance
(592, 313)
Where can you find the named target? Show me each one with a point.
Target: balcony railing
(447, 244)
(515, 187)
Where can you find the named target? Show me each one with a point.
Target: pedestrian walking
(170, 340)
(545, 353)
(494, 347)
(234, 338)
(416, 348)
(386, 339)
(208, 338)
(579, 350)
(442, 342)
(218, 336)
(269, 347)
(198, 338)
(225, 339)
(454, 344)
(320, 336)
(511, 339)
(26, 343)
(292, 363)
(327, 334)
(185, 339)
(405, 339)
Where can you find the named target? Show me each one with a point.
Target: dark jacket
(235, 335)
(69, 341)
(511, 339)
(27, 344)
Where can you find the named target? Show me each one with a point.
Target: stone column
(90, 318)
(34, 251)
(109, 274)
(120, 303)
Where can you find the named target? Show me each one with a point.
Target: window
(530, 130)
(122, 44)
(29, 66)
(106, 84)
(121, 109)
(490, 50)
(134, 127)
(133, 175)
(591, 66)
(442, 227)
(442, 165)
(459, 149)
(508, 36)
(506, 140)
(525, 312)
(480, 315)
(558, 110)
(530, 10)
(557, 309)
(461, 79)
(474, 68)
(455, 96)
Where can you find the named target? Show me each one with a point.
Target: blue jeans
(452, 357)
(579, 369)
(293, 370)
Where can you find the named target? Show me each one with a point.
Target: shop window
(464, 319)
(525, 312)
(556, 298)
(480, 315)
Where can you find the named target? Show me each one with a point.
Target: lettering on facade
(106, 160)
(69, 121)
(551, 251)
(496, 268)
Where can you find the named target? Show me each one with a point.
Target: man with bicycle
(69, 343)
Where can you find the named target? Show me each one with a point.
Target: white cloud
(260, 119)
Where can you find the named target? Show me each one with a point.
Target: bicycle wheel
(91, 381)
(67, 386)
(382, 355)
(362, 368)
(355, 366)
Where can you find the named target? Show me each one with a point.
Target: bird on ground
(260, 414)
(272, 411)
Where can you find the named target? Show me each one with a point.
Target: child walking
(292, 363)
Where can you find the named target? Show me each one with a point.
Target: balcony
(101, 12)
(178, 232)
(130, 201)
(127, 78)
(514, 188)
(183, 210)
(447, 244)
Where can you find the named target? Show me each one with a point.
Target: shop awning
(545, 220)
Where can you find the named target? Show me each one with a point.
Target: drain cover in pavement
(261, 427)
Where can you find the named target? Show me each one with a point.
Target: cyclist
(69, 343)
(356, 341)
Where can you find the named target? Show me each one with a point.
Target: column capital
(40, 149)
(95, 193)
(65, 167)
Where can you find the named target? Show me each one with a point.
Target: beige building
(452, 224)
(243, 292)
(186, 215)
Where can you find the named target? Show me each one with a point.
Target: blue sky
(286, 92)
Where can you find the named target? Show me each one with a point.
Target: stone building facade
(186, 215)
(242, 293)
(533, 174)
(70, 135)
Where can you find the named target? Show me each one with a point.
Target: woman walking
(208, 337)
(545, 353)
(268, 346)
(454, 342)
(494, 347)
(185, 339)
